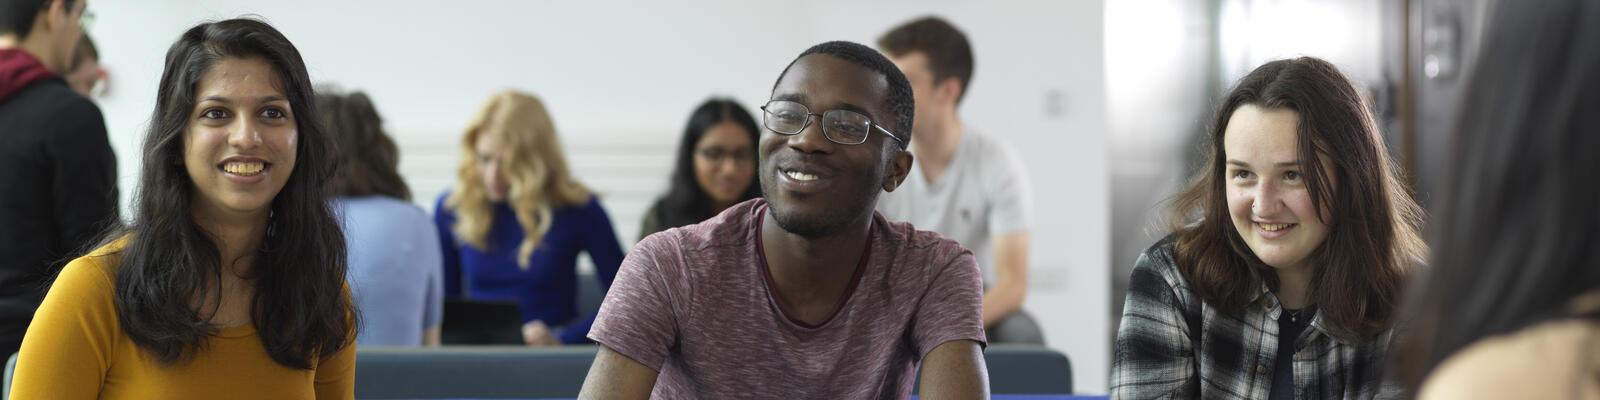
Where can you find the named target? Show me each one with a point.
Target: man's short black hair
(16, 16)
(899, 102)
(948, 53)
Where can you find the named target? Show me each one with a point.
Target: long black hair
(686, 203)
(301, 308)
(1517, 232)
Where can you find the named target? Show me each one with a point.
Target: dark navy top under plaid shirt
(1162, 353)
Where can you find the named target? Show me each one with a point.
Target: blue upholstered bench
(519, 372)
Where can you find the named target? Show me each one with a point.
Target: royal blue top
(547, 290)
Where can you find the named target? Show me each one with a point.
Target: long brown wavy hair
(1374, 224)
(369, 160)
(534, 167)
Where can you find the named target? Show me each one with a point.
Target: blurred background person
(1282, 275)
(1510, 306)
(395, 275)
(58, 174)
(513, 225)
(715, 168)
(231, 278)
(85, 71)
(966, 185)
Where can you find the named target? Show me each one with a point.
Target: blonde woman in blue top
(514, 224)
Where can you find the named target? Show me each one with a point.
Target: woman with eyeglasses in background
(715, 169)
(513, 226)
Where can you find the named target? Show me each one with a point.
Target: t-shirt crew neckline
(772, 289)
(954, 165)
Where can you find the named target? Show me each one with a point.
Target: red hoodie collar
(18, 69)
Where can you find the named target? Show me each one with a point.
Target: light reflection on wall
(1159, 80)
(1346, 33)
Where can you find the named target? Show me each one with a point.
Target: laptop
(481, 322)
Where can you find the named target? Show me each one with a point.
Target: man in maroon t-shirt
(807, 293)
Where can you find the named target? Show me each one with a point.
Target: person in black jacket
(58, 176)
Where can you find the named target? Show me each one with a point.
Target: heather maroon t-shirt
(694, 304)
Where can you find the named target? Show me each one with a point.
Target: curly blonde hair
(534, 167)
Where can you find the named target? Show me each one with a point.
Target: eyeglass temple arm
(886, 132)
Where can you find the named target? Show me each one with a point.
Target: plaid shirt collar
(1171, 345)
(1269, 304)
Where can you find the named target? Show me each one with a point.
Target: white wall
(621, 77)
(1347, 33)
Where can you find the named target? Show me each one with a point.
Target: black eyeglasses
(840, 126)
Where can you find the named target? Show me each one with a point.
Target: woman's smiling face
(1267, 194)
(239, 146)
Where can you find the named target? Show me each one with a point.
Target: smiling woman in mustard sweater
(231, 280)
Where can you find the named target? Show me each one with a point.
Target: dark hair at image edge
(686, 203)
(1374, 234)
(301, 308)
(899, 101)
(17, 16)
(1518, 227)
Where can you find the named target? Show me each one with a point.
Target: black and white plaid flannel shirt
(1161, 353)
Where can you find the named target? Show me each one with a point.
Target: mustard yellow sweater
(76, 349)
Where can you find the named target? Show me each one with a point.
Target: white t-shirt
(984, 192)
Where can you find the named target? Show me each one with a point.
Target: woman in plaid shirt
(1288, 251)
